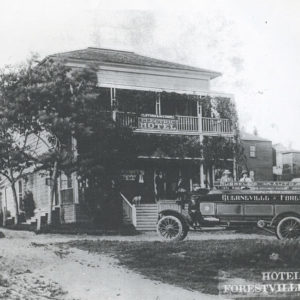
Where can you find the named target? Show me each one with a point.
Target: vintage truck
(272, 206)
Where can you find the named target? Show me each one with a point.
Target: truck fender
(280, 216)
(171, 212)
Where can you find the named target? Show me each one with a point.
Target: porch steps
(43, 215)
(33, 220)
(146, 217)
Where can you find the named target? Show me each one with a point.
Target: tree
(15, 127)
(66, 104)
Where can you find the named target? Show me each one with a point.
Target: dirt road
(34, 267)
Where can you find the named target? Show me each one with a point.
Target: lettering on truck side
(262, 197)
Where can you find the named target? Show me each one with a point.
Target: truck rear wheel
(171, 229)
(288, 228)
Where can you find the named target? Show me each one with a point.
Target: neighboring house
(259, 156)
(38, 184)
(290, 164)
(153, 83)
(278, 150)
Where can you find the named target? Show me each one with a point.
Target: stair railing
(129, 210)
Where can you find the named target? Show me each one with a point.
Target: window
(69, 181)
(252, 151)
(66, 181)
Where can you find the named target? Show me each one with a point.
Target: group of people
(227, 178)
(183, 196)
(181, 187)
(160, 187)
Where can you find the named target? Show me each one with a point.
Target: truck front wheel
(171, 229)
(288, 228)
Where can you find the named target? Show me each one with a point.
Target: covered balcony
(167, 113)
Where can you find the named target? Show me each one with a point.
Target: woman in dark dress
(160, 185)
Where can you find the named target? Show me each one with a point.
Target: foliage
(104, 152)
(136, 101)
(51, 97)
(174, 146)
(16, 125)
(217, 150)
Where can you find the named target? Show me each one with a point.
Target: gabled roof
(127, 58)
(251, 137)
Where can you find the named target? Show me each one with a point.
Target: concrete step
(146, 206)
(147, 214)
(147, 221)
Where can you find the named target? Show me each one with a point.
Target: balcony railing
(214, 125)
(175, 124)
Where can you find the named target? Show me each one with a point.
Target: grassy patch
(196, 264)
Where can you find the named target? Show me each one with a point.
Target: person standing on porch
(159, 185)
(181, 191)
(139, 180)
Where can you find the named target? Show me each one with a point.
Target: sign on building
(157, 123)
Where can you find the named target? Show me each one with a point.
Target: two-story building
(157, 98)
(290, 164)
(259, 156)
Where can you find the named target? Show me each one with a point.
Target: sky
(254, 44)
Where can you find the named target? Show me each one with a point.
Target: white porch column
(213, 175)
(75, 187)
(74, 174)
(113, 103)
(199, 115)
(158, 105)
(234, 169)
(202, 175)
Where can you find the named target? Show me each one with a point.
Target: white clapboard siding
(38, 143)
(123, 79)
(40, 191)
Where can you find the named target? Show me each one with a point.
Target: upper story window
(252, 151)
